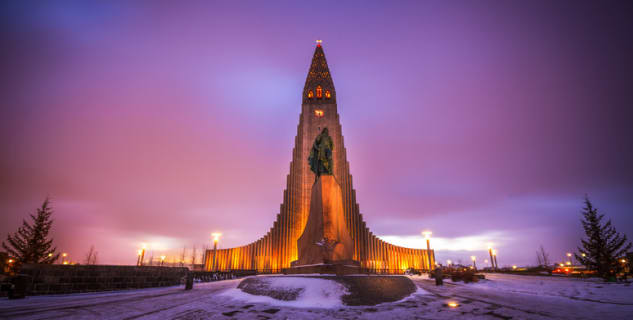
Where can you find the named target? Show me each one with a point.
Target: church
(275, 251)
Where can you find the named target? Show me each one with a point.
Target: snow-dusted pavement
(500, 297)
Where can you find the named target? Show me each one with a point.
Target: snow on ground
(502, 296)
(573, 288)
(315, 293)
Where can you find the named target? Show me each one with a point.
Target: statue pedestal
(325, 245)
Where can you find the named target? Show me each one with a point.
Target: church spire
(319, 87)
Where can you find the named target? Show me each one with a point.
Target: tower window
(310, 94)
(318, 113)
(319, 92)
(327, 94)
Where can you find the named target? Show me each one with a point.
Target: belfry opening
(278, 248)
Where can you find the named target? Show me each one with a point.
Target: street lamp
(216, 237)
(492, 260)
(162, 260)
(64, 255)
(474, 259)
(494, 255)
(427, 235)
(448, 263)
(569, 258)
(141, 255)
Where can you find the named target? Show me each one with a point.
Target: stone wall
(58, 279)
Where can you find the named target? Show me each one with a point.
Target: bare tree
(204, 254)
(542, 257)
(182, 256)
(194, 256)
(91, 257)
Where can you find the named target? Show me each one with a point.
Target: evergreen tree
(603, 245)
(30, 244)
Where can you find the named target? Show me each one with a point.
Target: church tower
(274, 251)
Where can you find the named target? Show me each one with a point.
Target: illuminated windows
(318, 113)
(310, 94)
(319, 91)
(327, 94)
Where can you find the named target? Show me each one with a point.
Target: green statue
(321, 154)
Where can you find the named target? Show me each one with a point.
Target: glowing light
(486, 261)
(568, 263)
(216, 236)
(562, 265)
(448, 262)
(427, 234)
(65, 262)
(473, 258)
(10, 261)
(162, 258)
(140, 252)
(318, 113)
(310, 94)
(318, 42)
(623, 260)
(50, 254)
(584, 255)
(328, 94)
(568, 254)
(319, 92)
(514, 267)
(489, 245)
(144, 246)
(64, 254)
(494, 252)
(453, 304)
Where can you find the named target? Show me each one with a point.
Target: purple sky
(160, 124)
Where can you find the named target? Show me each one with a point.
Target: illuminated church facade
(278, 247)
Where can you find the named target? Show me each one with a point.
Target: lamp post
(427, 236)
(162, 260)
(138, 257)
(64, 255)
(492, 260)
(474, 259)
(569, 258)
(216, 238)
(141, 254)
(494, 255)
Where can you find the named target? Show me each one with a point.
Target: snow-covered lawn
(582, 289)
(313, 293)
(501, 296)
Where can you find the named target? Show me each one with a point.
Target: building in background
(277, 248)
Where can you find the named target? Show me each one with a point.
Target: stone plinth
(339, 268)
(325, 239)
